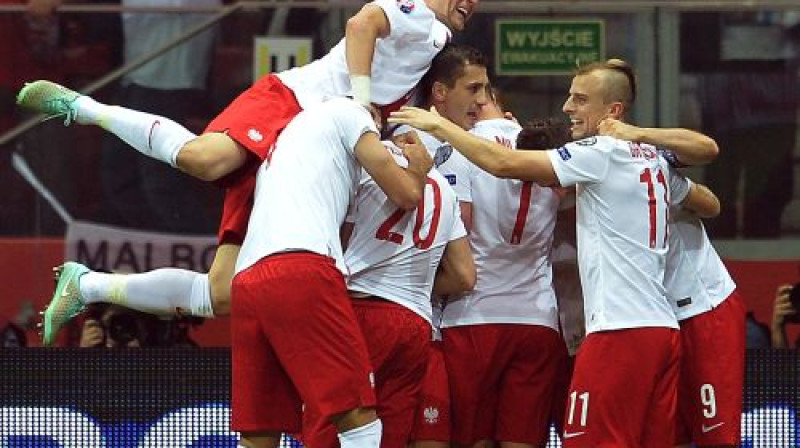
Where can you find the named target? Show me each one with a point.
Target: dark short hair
(448, 66)
(539, 134)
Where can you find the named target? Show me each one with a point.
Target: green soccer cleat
(66, 302)
(49, 98)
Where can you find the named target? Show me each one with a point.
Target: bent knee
(211, 156)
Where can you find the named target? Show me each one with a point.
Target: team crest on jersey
(590, 141)
(254, 135)
(406, 5)
(443, 153)
(431, 415)
(563, 152)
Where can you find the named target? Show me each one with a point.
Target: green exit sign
(547, 47)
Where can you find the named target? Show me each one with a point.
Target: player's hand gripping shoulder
(690, 147)
(420, 161)
(428, 121)
(619, 130)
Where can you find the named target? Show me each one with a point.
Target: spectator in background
(153, 196)
(757, 126)
(11, 334)
(24, 53)
(757, 333)
(784, 311)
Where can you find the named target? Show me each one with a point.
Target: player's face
(586, 105)
(458, 13)
(462, 102)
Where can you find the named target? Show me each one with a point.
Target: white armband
(360, 87)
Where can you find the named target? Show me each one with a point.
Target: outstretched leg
(208, 157)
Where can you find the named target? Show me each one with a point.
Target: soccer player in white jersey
(291, 317)
(387, 48)
(502, 346)
(392, 257)
(712, 320)
(624, 389)
(456, 85)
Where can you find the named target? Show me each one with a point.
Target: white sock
(200, 300)
(152, 135)
(89, 111)
(160, 292)
(367, 436)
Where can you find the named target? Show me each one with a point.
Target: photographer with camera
(114, 326)
(785, 310)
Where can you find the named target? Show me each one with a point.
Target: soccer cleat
(49, 98)
(66, 302)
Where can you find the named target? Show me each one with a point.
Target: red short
(502, 378)
(295, 340)
(624, 390)
(560, 392)
(254, 120)
(432, 420)
(397, 341)
(712, 375)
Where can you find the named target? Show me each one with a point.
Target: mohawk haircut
(621, 81)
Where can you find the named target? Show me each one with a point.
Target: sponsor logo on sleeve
(563, 152)
(406, 5)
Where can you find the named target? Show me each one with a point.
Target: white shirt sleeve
(458, 172)
(458, 231)
(679, 186)
(584, 161)
(352, 119)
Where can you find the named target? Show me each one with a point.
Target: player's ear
(617, 110)
(438, 91)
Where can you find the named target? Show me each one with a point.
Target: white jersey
(302, 199)
(696, 279)
(446, 160)
(511, 238)
(622, 202)
(393, 253)
(399, 61)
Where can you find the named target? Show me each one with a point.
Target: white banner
(116, 249)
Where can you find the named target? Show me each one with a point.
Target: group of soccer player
(341, 254)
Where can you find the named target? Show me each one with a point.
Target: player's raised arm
(691, 147)
(361, 32)
(489, 156)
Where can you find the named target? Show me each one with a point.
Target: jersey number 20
(385, 230)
